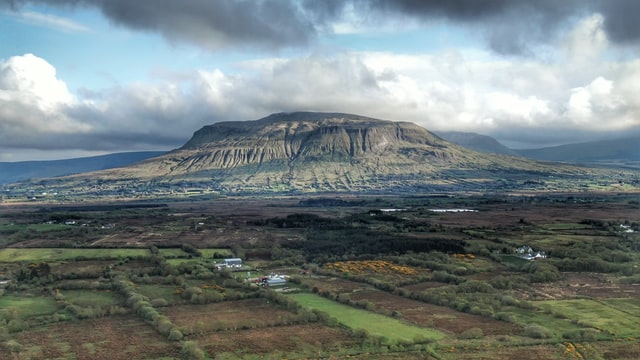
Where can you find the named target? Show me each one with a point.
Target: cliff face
(292, 136)
(306, 151)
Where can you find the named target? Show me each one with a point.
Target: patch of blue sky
(89, 52)
(418, 39)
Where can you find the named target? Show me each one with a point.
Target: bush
(473, 333)
(537, 332)
(159, 302)
(175, 335)
(191, 351)
(582, 334)
(164, 326)
(12, 346)
(504, 316)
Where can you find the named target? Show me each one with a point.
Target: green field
(556, 326)
(28, 306)
(375, 324)
(172, 253)
(60, 254)
(91, 297)
(167, 292)
(618, 317)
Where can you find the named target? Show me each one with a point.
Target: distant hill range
(627, 149)
(621, 150)
(477, 142)
(318, 152)
(24, 170)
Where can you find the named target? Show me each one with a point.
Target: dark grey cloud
(510, 26)
(209, 24)
(621, 19)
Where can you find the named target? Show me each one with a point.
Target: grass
(555, 325)
(167, 292)
(91, 297)
(28, 306)
(60, 254)
(392, 329)
(618, 317)
(565, 226)
(176, 262)
(172, 253)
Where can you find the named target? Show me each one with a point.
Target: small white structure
(274, 280)
(232, 262)
(527, 253)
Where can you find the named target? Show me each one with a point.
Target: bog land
(546, 276)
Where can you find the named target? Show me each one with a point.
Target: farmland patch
(375, 324)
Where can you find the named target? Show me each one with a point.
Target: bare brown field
(613, 350)
(573, 285)
(228, 315)
(112, 338)
(439, 317)
(79, 267)
(424, 286)
(282, 339)
(338, 285)
(509, 214)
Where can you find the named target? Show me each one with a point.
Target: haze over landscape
(82, 78)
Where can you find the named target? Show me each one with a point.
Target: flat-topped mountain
(310, 151)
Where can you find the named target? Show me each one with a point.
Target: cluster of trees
(141, 305)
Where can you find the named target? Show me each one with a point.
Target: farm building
(232, 262)
(276, 281)
(271, 280)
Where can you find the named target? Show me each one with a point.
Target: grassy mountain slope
(311, 152)
(25, 170)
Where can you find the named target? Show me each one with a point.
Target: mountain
(23, 170)
(310, 152)
(627, 149)
(477, 142)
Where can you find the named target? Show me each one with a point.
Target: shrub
(191, 351)
(537, 332)
(175, 335)
(472, 333)
(12, 346)
(159, 302)
(17, 325)
(582, 334)
(164, 326)
(504, 316)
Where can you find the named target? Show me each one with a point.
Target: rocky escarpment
(307, 151)
(284, 138)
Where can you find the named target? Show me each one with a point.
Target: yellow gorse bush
(377, 266)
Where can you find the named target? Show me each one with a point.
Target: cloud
(265, 24)
(51, 21)
(621, 20)
(467, 91)
(509, 27)
(576, 94)
(32, 100)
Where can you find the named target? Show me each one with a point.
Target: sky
(88, 77)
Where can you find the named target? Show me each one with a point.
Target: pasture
(393, 330)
